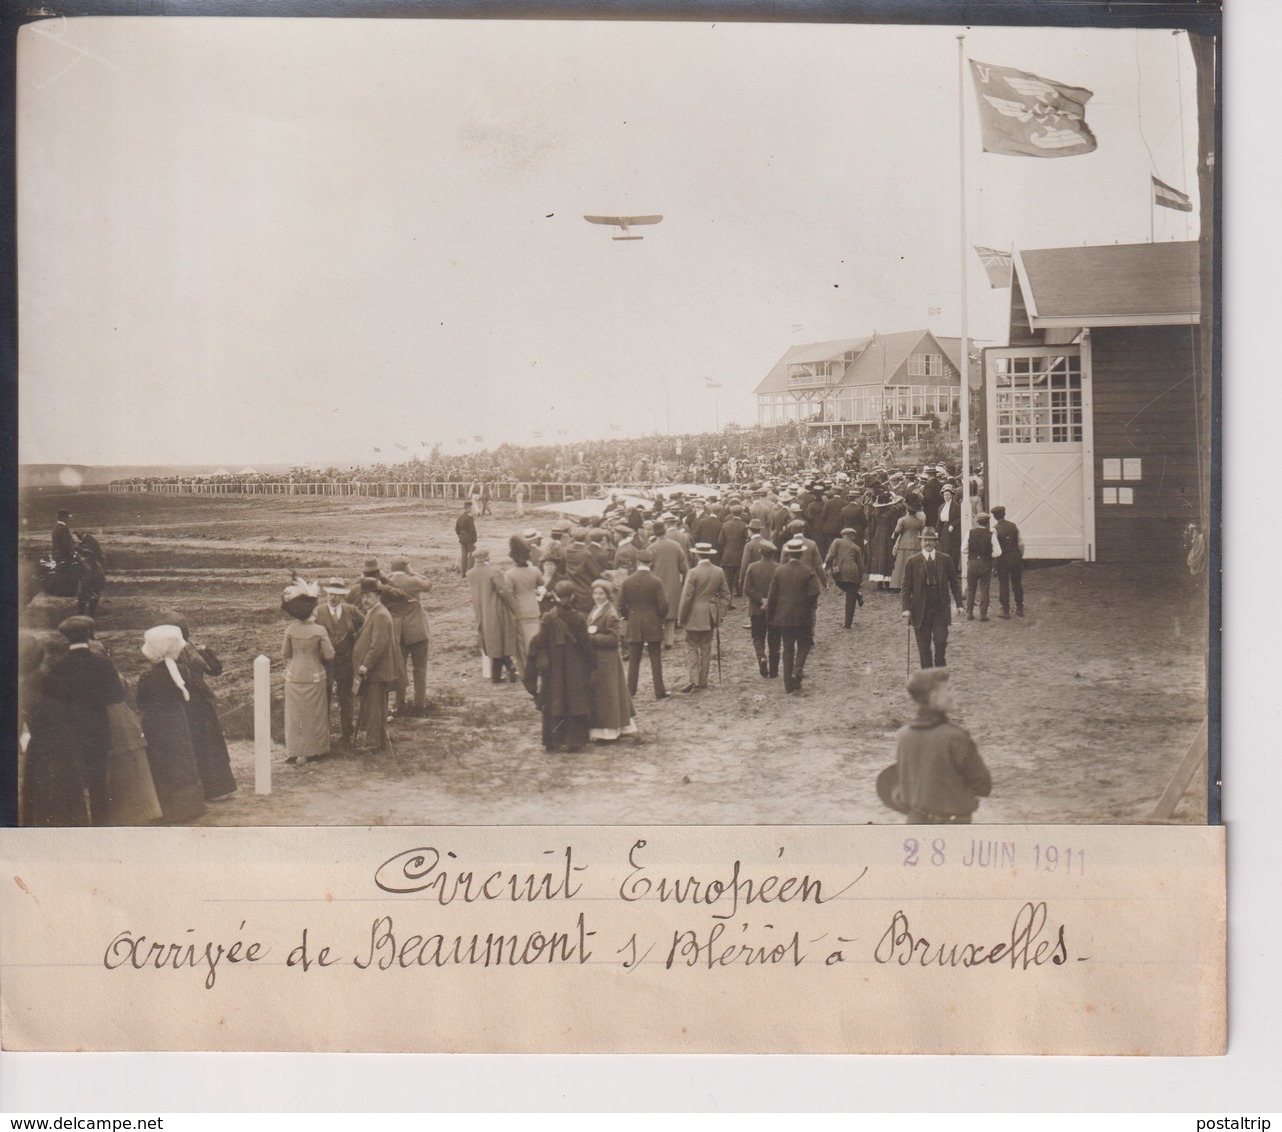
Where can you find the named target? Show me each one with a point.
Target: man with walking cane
(704, 600)
(929, 579)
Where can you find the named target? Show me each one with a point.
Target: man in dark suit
(644, 606)
(86, 682)
(707, 529)
(929, 579)
(1010, 564)
(376, 656)
(734, 537)
(465, 529)
(756, 585)
(932, 497)
(342, 621)
(790, 608)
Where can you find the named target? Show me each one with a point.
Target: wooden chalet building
(1096, 438)
(855, 385)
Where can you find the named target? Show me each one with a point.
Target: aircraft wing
(622, 221)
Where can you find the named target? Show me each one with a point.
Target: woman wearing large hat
(306, 650)
(162, 706)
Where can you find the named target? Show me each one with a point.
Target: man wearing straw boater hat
(790, 609)
(704, 600)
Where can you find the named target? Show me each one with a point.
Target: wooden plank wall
(1144, 400)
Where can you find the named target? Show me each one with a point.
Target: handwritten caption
(726, 921)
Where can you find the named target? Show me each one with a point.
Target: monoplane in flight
(624, 223)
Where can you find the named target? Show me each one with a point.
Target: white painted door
(1039, 446)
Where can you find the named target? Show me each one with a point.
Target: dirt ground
(1082, 710)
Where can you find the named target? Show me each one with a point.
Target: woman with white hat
(162, 706)
(306, 651)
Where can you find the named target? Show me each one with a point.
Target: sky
(297, 241)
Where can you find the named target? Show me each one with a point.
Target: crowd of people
(696, 458)
(570, 616)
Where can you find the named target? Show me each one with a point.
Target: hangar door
(1039, 446)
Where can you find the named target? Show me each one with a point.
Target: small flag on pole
(997, 264)
(378, 450)
(1025, 115)
(401, 447)
(1168, 197)
(709, 383)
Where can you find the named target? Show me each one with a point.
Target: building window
(926, 365)
(1039, 400)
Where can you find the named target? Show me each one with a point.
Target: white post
(262, 725)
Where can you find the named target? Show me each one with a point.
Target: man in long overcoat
(494, 608)
(643, 604)
(465, 529)
(704, 600)
(376, 657)
(670, 566)
(790, 608)
(930, 577)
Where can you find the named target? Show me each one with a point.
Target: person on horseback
(64, 545)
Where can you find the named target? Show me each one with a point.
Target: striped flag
(1168, 197)
(997, 264)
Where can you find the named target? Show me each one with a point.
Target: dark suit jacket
(794, 590)
(86, 683)
(644, 605)
(465, 528)
(734, 536)
(914, 589)
(707, 528)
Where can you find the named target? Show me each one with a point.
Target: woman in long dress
(162, 707)
(611, 704)
(306, 651)
(525, 581)
(881, 556)
(208, 744)
(907, 542)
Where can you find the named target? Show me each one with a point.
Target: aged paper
(802, 940)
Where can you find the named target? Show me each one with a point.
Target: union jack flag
(997, 264)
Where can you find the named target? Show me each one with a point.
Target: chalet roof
(881, 355)
(1111, 285)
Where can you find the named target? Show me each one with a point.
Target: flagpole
(965, 295)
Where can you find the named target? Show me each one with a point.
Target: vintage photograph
(447, 422)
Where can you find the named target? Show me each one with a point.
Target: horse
(84, 576)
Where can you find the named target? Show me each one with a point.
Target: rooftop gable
(1111, 285)
(881, 356)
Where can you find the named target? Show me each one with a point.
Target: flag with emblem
(997, 264)
(1168, 197)
(1025, 115)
